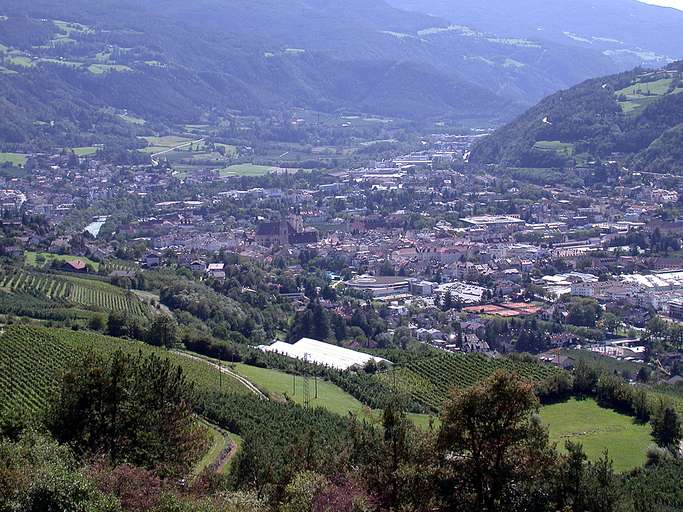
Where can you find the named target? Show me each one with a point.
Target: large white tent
(319, 352)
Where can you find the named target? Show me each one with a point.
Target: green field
(132, 119)
(167, 141)
(640, 90)
(640, 95)
(31, 258)
(100, 69)
(85, 151)
(562, 148)
(248, 170)
(597, 429)
(33, 358)
(279, 385)
(16, 159)
(21, 60)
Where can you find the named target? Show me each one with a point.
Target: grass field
(132, 119)
(85, 151)
(31, 258)
(248, 170)
(278, 384)
(100, 69)
(167, 141)
(639, 90)
(561, 148)
(640, 95)
(598, 429)
(16, 159)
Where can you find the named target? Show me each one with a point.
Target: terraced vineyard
(429, 379)
(87, 293)
(33, 358)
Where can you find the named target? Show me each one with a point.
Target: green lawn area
(597, 429)
(16, 159)
(31, 258)
(167, 141)
(247, 170)
(563, 148)
(85, 151)
(636, 106)
(422, 420)
(278, 384)
(132, 119)
(658, 87)
(21, 60)
(100, 69)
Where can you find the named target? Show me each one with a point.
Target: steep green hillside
(32, 359)
(635, 117)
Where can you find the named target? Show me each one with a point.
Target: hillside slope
(173, 61)
(635, 117)
(628, 31)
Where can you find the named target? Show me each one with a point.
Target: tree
(666, 428)
(584, 312)
(129, 409)
(163, 332)
(494, 454)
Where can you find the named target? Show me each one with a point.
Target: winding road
(226, 371)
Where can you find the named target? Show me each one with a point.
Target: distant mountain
(636, 116)
(627, 31)
(176, 61)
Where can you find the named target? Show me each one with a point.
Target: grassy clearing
(16, 159)
(167, 141)
(279, 385)
(597, 429)
(20, 60)
(248, 170)
(640, 90)
(132, 119)
(100, 69)
(31, 258)
(85, 151)
(562, 148)
(636, 106)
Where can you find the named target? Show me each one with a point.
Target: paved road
(156, 162)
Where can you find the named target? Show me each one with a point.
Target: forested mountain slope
(176, 61)
(635, 116)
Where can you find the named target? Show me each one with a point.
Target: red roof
(77, 264)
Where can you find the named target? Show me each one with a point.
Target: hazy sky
(678, 4)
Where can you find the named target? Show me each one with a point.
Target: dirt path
(226, 371)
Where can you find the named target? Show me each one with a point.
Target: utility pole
(307, 392)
